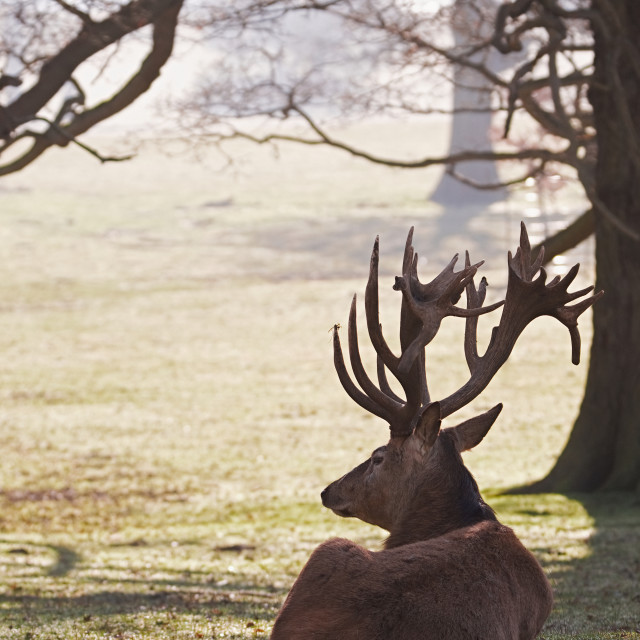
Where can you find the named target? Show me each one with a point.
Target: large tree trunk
(603, 451)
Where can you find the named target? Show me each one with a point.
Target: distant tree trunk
(471, 120)
(469, 131)
(603, 451)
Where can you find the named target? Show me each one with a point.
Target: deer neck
(446, 498)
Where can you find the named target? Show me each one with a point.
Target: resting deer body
(449, 569)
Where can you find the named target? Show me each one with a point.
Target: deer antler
(381, 401)
(431, 303)
(526, 299)
(423, 308)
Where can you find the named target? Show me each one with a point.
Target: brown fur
(477, 582)
(450, 570)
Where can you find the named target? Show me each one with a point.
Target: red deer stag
(449, 569)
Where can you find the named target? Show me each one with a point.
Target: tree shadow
(457, 222)
(48, 598)
(146, 607)
(66, 560)
(607, 582)
(241, 600)
(597, 592)
(341, 248)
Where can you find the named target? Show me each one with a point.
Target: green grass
(169, 412)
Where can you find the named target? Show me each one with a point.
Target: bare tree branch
(452, 159)
(569, 237)
(164, 23)
(93, 37)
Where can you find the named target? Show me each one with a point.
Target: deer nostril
(323, 495)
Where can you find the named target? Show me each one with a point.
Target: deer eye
(377, 459)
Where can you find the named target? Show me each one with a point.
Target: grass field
(170, 413)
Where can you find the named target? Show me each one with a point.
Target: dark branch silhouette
(22, 117)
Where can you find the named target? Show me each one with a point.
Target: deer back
(474, 582)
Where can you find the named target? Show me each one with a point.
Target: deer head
(416, 486)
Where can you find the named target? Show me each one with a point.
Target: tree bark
(568, 238)
(603, 451)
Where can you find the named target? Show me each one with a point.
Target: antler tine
(347, 384)
(382, 401)
(410, 327)
(521, 262)
(407, 260)
(371, 303)
(475, 300)
(430, 303)
(411, 385)
(388, 403)
(385, 387)
(526, 299)
(569, 318)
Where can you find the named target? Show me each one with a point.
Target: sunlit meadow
(169, 413)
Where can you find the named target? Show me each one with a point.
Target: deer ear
(428, 425)
(470, 433)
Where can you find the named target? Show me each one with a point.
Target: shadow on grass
(597, 594)
(240, 601)
(51, 603)
(151, 611)
(338, 248)
(605, 586)
(596, 579)
(66, 560)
